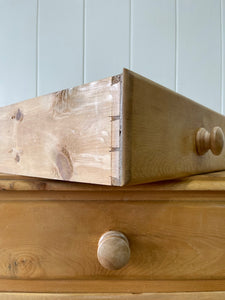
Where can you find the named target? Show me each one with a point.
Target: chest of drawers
(168, 237)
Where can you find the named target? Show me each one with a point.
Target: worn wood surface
(206, 141)
(159, 131)
(113, 250)
(207, 187)
(147, 296)
(66, 135)
(168, 240)
(214, 182)
(121, 130)
(49, 244)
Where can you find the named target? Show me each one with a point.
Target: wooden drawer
(121, 130)
(169, 240)
(49, 234)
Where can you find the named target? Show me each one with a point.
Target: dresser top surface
(204, 182)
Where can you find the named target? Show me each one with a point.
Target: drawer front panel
(59, 239)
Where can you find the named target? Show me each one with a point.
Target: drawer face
(58, 239)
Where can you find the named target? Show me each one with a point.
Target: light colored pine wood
(111, 286)
(51, 246)
(213, 141)
(65, 135)
(210, 187)
(159, 131)
(40, 238)
(169, 240)
(113, 250)
(121, 130)
(149, 296)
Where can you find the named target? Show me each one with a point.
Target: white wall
(48, 45)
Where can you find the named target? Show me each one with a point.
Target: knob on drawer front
(213, 141)
(113, 250)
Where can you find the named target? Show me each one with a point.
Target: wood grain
(116, 131)
(207, 187)
(66, 135)
(213, 141)
(59, 239)
(213, 182)
(159, 129)
(111, 286)
(147, 296)
(113, 250)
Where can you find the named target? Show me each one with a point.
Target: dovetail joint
(114, 118)
(114, 149)
(116, 79)
(115, 181)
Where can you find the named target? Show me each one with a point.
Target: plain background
(49, 45)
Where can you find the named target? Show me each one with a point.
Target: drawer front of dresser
(168, 240)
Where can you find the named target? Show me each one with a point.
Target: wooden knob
(113, 250)
(213, 141)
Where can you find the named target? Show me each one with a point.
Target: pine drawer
(122, 130)
(49, 235)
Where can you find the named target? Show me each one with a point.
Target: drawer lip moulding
(122, 130)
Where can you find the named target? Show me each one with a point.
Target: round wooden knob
(213, 141)
(113, 250)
